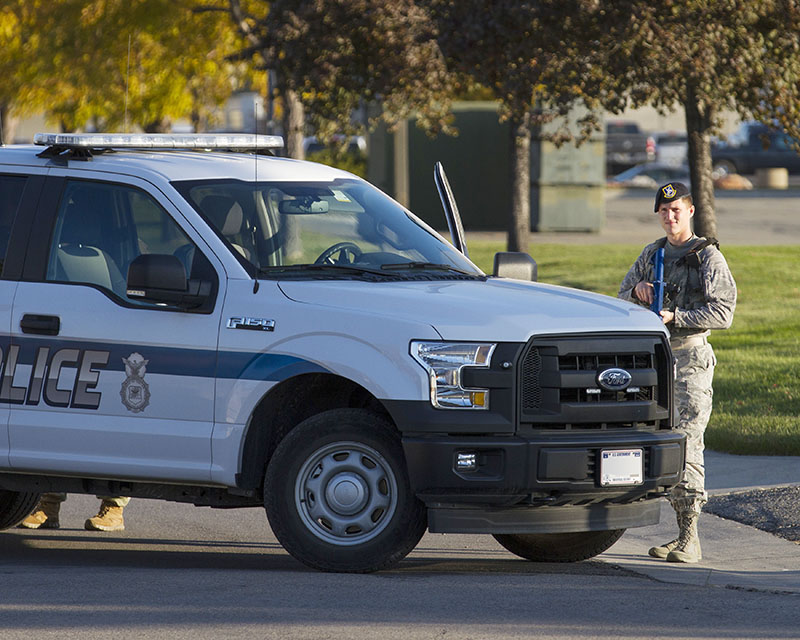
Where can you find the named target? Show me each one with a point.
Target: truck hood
(493, 310)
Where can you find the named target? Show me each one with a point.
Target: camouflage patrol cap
(671, 191)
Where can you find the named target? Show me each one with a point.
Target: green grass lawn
(756, 390)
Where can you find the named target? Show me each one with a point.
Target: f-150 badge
(135, 392)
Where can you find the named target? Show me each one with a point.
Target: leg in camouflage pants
(695, 372)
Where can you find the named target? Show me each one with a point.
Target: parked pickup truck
(182, 322)
(626, 145)
(755, 146)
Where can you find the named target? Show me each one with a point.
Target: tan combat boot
(688, 549)
(663, 551)
(108, 519)
(45, 516)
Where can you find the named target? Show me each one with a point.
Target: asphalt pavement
(734, 555)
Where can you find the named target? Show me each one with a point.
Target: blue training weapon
(658, 283)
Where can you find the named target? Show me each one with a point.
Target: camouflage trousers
(117, 501)
(693, 393)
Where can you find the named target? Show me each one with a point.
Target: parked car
(653, 174)
(626, 145)
(355, 144)
(650, 175)
(755, 146)
(671, 147)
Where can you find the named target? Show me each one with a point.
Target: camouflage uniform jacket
(703, 297)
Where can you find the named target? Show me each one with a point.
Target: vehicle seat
(78, 259)
(227, 216)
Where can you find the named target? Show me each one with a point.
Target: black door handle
(45, 325)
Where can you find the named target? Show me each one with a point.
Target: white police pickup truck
(237, 330)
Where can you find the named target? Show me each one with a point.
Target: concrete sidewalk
(734, 555)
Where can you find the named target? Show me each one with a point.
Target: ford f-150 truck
(230, 329)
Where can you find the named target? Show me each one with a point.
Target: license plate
(621, 467)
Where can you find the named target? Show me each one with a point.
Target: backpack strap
(659, 244)
(692, 258)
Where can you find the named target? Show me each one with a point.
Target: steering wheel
(342, 248)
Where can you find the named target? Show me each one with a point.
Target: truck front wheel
(337, 493)
(15, 507)
(559, 547)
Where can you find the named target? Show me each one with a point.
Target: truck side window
(10, 195)
(100, 228)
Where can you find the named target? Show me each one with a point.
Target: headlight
(443, 361)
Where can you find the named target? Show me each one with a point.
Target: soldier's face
(676, 218)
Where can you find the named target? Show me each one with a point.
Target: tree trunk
(520, 224)
(294, 130)
(294, 124)
(8, 125)
(4, 137)
(698, 126)
(162, 125)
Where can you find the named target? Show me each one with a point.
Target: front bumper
(529, 477)
(596, 517)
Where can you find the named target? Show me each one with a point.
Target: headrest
(225, 213)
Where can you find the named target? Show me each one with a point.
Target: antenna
(127, 77)
(255, 170)
(255, 131)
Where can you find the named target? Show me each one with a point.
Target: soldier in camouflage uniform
(700, 296)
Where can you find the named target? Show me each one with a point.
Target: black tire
(559, 547)
(15, 507)
(337, 494)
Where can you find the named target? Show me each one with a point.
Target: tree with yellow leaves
(119, 64)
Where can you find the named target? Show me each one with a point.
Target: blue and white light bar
(159, 140)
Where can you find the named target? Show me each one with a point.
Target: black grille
(531, 388)
(582, 395)
(594, 362)
(559, 389)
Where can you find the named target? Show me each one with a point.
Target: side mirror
(161, 278)
(515, 265)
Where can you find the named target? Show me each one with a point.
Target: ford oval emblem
(614, 379)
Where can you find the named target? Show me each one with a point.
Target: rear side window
(10, 196)
(101, 228)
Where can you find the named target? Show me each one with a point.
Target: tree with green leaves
(517, 50)
(333, 56)
(706, 56)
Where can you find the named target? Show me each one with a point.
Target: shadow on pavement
(64, 548)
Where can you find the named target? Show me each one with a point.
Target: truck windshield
(277, 228)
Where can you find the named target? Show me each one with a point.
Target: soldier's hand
(667, 316)
(644, 292)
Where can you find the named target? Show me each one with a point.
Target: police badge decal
(135, 392)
